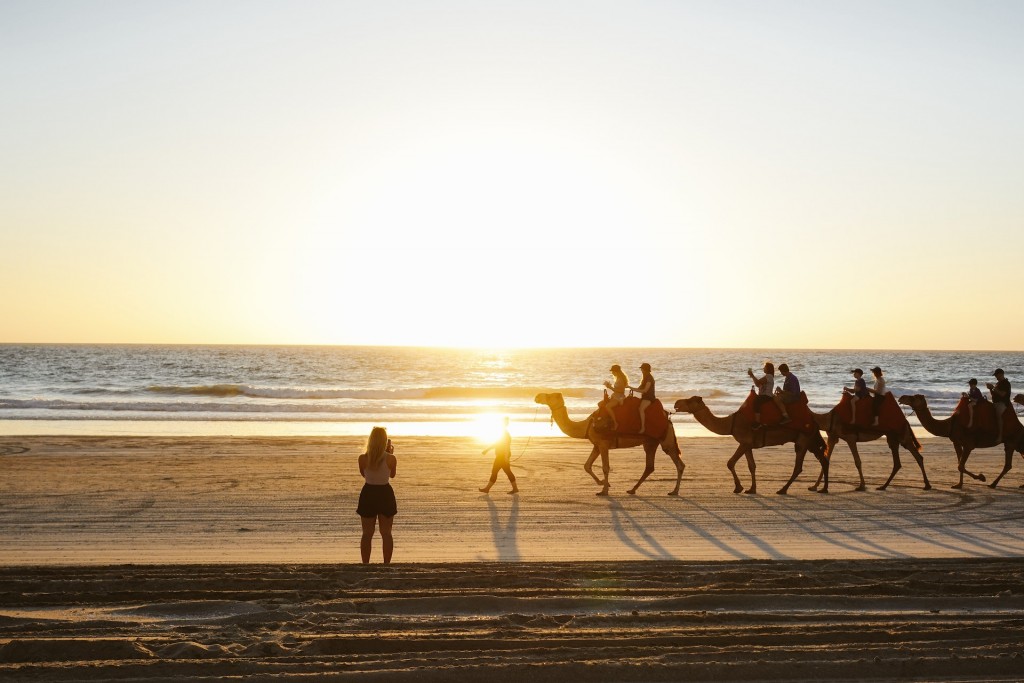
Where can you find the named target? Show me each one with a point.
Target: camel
(741, 429)
(604, 442)
(836, 430)
(963, 441)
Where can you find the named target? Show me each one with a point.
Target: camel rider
(974, 397)
(789, 393)
(765, 389)
(618, 390)
(646, 391)
(1001, 392)
(858, 391)
(878, 394)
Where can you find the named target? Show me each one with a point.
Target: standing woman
(377, 499)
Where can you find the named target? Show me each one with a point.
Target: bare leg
(609, 409)
(495, 468)
(643, 414)
(385, 536)
(782, 408)
(366, 542)
(649, 451)
(507, 466)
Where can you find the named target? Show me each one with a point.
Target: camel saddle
(985, 418)
(800, 417)
(627, 416)
(890, 415)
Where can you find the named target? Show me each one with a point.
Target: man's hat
(645, 366)
(876, 369)
(999, 371)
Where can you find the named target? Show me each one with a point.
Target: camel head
(689, 405)
(916, 402)
(1019, 398)
(552, 401)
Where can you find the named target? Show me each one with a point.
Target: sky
(676, 174)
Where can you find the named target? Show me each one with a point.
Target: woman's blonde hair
(375, 446)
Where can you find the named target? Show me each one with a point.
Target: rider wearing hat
(646, 391)
(857, 392)
(618, 390)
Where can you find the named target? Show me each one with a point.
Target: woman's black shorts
(377, 499)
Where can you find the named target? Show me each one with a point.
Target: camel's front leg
(1006, 466)
(649, 452)
(752, 466)
(894, 446)
(830, 448)
(589, 465)
(738, 487)
(605, 468)
(798, 467)
(962, 454)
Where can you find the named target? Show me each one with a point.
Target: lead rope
(530, 437)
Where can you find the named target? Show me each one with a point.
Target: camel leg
(738, 487)
(830, 448)
(896, 464)
(605, 468)
(824, 461)
(752, 466)
(1006, 466)
(798, 467)
(588, 466)
(963, 453)
(649, 451)
(677, 460)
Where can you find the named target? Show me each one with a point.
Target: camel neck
(717, 425)
(577, 430)
(933, 425)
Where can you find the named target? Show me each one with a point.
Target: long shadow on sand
(620, 519)
(770, 550)
(505, 542)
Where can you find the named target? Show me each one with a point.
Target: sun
(486, 427)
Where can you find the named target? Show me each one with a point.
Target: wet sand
(158, 559)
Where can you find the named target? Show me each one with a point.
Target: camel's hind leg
(649, 451)
(677, 460)
(1006, 466)
(737, 486)
(894, 446)
(911, 446)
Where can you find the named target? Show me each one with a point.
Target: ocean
(324, 390)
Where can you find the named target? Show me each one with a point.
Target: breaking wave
(425, 393)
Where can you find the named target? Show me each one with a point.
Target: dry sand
(150, 559)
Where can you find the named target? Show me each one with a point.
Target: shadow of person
(505, 542)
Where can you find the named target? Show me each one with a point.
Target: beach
(147, 558)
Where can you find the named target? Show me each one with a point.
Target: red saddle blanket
(628, 417)
(890, 415)
(800, 417)
(985, 418)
